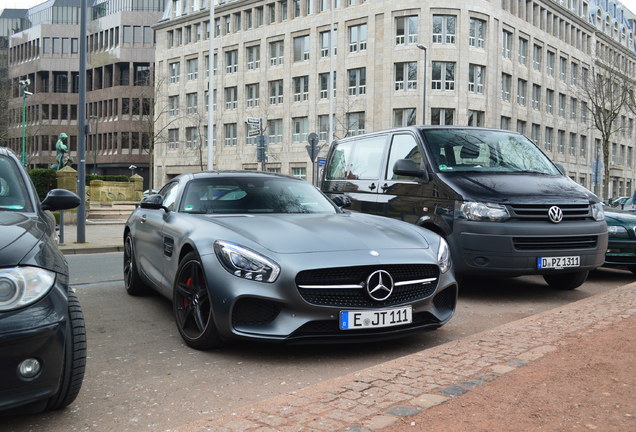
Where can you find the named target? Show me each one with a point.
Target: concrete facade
(487, 64)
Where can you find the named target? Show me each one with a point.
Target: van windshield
(482, 150)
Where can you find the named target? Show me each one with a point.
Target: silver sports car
(247, 255)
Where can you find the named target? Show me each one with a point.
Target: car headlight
(617, 231)
(477, 211)
(246, 263)
(597, 211)
(21, 286)
(443, 256)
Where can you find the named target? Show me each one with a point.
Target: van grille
(534, 212)
(552, 243)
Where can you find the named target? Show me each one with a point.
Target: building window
(252, 92)
(506, 86)
(192, 101)
(275, 131)
(230, 134)
(406, 30)
(276, 53)
(357, 38)
(506, 44)
(301, 88)
(549, 63)
(193, 68)
(301, 48)
(583, 147)
(572, 144)
(323, 127)
(173, 138)
(574, 105)
(253, 57)
(536, 96)
(231, 61)
(173, 106)
(300, 127)
(549, 101)
(563, 68)
(404, 117)
(231, 98)
(548, 138)
(477, 33)
(522, 88)
(574, 71)
(355, 123)
(324, 85)
(476, 75)
(324, 43)
(562, 102)
(535, 133)
(406, 76)
(276, 92)
(357, 81)
(174, 71)
(521, 127)
(300, 173)
(443, 76)
(191, 137)
(561, 141)
(523, 50)
(505, 122)
(476, 118)
(444, 29)
(537, 56)
(442, 116)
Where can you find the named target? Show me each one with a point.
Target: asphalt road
(141, 377)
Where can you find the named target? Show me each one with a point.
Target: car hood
(620, 218)
(19, 233)
(305, 233)
(521, 188)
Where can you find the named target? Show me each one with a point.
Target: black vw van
(503, 206)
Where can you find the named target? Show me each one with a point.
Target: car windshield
(253, 195)
(13, 195)
(481, 150)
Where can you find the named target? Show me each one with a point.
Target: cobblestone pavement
(379, 397)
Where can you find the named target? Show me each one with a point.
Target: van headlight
(246, 263)
(597, 212)
(21, 286)
(477, 211)
(443, 256)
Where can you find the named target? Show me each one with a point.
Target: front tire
(192, 305)
(566, 281)
(74, 357)
(132, 281)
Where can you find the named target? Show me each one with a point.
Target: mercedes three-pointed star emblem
(379, 285)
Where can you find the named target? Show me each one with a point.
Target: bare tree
(606, 89)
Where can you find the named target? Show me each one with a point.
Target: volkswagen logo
(379, 285)
(555, 214)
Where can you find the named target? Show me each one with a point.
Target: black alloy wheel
(193, 307)
(132, 281)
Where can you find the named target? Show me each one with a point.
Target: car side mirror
(154, 201)
(342, 201)
(560, 167)
(407, 167)
(60, 199)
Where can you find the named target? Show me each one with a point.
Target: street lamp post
(423, 48)
(24, 84)
(95, 139)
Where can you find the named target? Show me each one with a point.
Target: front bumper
(511, 248)
(621, 253)
(246, 309)
(36, 331)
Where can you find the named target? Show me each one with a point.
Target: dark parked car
(268, 257)
(621, 248)
(42, 335)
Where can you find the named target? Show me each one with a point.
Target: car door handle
(384, 187)
(372, 186)
(142, 218)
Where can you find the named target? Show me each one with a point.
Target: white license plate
(350, 320)
(559, 262)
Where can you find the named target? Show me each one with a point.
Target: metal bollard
(61, 233)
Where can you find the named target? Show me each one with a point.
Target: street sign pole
(313, 149)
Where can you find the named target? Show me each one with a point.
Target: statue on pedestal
(63, 158)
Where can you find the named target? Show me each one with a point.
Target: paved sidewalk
(381, 397)
(99, 237)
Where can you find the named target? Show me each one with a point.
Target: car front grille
(554, 243)
(324, 287)
(534, 212)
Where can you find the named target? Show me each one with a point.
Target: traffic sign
(253, 121)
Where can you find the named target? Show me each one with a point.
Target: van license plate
(351, 320)
(559, 262)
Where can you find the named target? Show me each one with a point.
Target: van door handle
(372, 186)
(384, 187)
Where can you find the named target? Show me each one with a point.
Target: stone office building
(512, 64)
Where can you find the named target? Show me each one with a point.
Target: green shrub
(44, 180)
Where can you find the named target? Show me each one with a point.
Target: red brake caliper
(185, 300)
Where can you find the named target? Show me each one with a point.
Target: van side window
(357, 160)
(402, 147)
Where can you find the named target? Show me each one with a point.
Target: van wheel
(566, 281)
